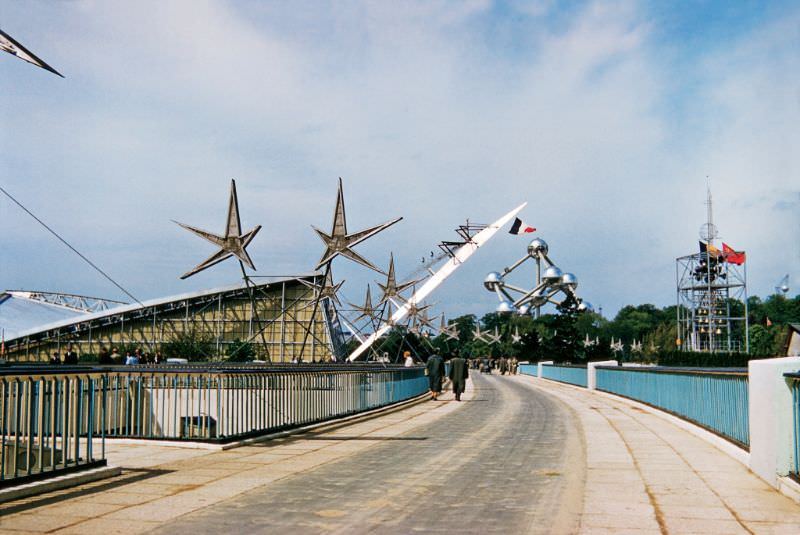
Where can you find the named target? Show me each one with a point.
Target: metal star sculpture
(478, 334)
(494, 338)
(10, 45)
(367, 310)
(516, 338)
(451, 331)
(325, 290)
(417, 317)
(339, 242)
(391, 289)
(232, 243)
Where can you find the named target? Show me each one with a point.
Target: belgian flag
(710, 249)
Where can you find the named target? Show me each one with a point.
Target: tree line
(568, 336)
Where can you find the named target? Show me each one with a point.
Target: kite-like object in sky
(458, 257)
(233, 242)
(339, 242)
(10, 45)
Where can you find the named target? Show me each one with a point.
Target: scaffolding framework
(707, 289)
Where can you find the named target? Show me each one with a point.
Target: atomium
(552, 285)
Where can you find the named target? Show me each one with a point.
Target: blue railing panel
(528, 369)
(573, 375)
(715, 400)
(795, 386)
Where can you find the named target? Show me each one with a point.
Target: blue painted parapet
(794, 384)
(528, 369)
(714, 399)
(574, 375)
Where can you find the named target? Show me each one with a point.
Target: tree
(191, 345)
(239, 351)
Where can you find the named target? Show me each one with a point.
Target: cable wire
(74, 250)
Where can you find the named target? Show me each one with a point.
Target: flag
(8, 44)
(733, 256)
(710, 249)
(520, 228)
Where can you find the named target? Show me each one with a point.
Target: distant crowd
(131, 358)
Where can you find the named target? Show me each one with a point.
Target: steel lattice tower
(707, 287)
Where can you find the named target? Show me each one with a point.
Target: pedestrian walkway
(645, 475)
(518, 455)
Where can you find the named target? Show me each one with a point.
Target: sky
(609, 118)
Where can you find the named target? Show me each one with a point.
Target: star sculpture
(232, 243)
(326, 290)
(391, 289)
(451, 331)
(367, 310)
(417, 317)
(516, 338)
(8, 44)
(339, 242)
(478, 334)
(329, 289)
(494, 338)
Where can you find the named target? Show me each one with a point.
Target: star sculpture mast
(231, 243)
(339, 242)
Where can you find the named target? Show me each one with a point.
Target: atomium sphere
(569, 280)
(537, 246)
(523, 310)
(505, 307)
(785, 288)
(552, 275)
(585, 306)
(493, 280)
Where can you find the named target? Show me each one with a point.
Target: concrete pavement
(519, 455)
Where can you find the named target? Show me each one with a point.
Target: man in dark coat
(459, 372)
(435, 370)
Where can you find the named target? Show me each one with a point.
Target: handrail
(717, 400)
(794, 384)
(47, 424)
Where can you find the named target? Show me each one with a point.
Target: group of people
(131, 358)
(70, 357)
(435, 370)
(505, 365)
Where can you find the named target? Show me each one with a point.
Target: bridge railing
(48, 423)
(794, 383)
(574, 375)
(714, 399)
(46, 409)
(226, 405)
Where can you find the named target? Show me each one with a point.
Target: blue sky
(606, 117)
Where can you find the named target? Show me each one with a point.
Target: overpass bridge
(520, 454)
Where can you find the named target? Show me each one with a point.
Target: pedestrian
(70, 357)
(131, 360)
(459, 372)
(435, 370)
(408, 360)
(55, 359)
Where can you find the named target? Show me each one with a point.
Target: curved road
(504, 462)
